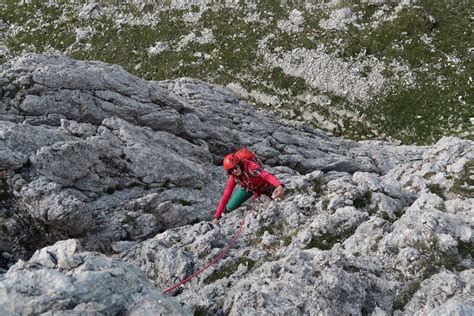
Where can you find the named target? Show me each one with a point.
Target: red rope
(220, 255)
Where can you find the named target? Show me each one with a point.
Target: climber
(243, 168)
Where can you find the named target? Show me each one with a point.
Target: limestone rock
(132, 169)
(62, 279)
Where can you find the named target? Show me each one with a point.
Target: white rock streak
(331, 74)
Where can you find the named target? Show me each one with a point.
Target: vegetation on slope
(425, 50)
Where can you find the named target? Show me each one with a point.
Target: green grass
(422, 115)
(127, 45)
(185, 202)
(465, 249)
(3, 190)
(229, 269)
(327, 241)
(431, 262)
(413, 114)
(318, 188)
(408, 26)
(363, 200)
(464, 184)
(276, 229)
(435, 188)
(405, 295)
(54, 33)
(293, 85)
(129, 220)
(440, 110)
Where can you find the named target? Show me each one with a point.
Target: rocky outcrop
(445, 293)
(63, 278)
(93, 152)
(339, 244)
(131, 169)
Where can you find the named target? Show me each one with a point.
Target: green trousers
(242, 195)
(238, 198)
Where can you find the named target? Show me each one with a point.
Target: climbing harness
(245, 182)
(219, 255)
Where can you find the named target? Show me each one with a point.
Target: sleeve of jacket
(225, 197)
(265, 175)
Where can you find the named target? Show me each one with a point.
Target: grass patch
(423, 112)
(278, 230)
(185, 202)
(418, 115)
(127, 45)
(129, 220)
(435, 188)
(3, 190)
(54, 32)
(317, 188)
(204, 254)
(428, 175)
(384, 216)
(419, 245)
(405, 295)
(200, 311)
(294, 85)
(410, 24)
(399, 213)
(464, 184)
(327, 241)
(465, 248)
(268, 258)
(363, 200)
(432, 262)
(229, 269)
(237, 43)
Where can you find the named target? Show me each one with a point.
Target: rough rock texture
(334, 64)
(132, 169)
(323, 71)
(93, 152)
(339, 244)
(445, 293)
(62, 278)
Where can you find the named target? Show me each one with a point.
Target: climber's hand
(216, 221)
(278, 193)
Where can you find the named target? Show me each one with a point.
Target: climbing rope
(219, 255)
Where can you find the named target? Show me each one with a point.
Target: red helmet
(230, 162)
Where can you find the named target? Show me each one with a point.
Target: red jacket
(253, 178)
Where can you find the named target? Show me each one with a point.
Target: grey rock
(445, 293)
(61, 279)
(97, 143)
(133, 169)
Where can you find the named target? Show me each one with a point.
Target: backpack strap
(258, 170)
(251, 173)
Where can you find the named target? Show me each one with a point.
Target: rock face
(340, 244)
(90, 154)
(60, 277)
